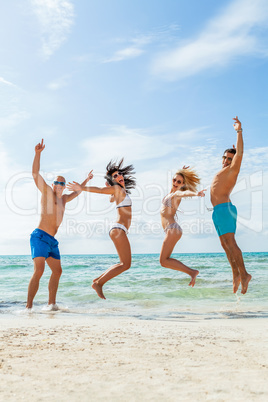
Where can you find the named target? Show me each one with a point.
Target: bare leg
(122, 245)
(235, 258)
(234, 266)
(55, 266)
(39, 266)
(94, 280)
(172, 237)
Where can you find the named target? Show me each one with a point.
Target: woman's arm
(74, 186)
(189, 193)
(99, 190)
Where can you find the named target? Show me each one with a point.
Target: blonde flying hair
(190, 179)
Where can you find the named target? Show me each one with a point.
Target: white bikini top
(167, 201)
(125, 203)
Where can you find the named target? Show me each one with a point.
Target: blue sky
(157, 82)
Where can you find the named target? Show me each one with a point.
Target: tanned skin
(173, 235)
(117, 194)
(53, 203)
(221, 188)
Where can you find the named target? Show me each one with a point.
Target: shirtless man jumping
(225, 214)
(44, 246)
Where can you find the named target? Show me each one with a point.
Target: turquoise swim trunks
(224, 218)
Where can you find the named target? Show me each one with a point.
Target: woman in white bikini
(184, 184)
(118, 185)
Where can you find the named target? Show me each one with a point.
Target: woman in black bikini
(184, 184)
(118, 185)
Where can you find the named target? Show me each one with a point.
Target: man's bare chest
(53, 205)
(221, 177)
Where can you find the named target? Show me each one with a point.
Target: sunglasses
(228, 159)
(61, 183)
(116, 175)
(177, 181)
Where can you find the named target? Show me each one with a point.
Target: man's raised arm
(237, 159)
(38, 179)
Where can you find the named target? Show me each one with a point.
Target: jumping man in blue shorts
(44, 246)
(224, 215)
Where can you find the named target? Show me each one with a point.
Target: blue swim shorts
(224, 218)
(44, 245)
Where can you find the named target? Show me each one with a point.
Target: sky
(156, 82)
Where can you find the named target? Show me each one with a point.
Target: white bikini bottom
(173, 225)
(118, 226)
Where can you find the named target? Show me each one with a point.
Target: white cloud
(59, 83)
(133, 144)
(13, 119)
(55, 18)
(5, 164)
(229, 36)
(137, 45)
(3, 81)
(120, 49)
(127, 53)
(135, 49)
(137, 144)
(14, 224)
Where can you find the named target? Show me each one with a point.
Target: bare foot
(98, 289)
(244, 283)
(236, 283)
(51, 307)
(193, 276)
(28, 310)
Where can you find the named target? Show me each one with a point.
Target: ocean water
(146, 291)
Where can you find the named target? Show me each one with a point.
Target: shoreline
(136, 254)
(127, 359)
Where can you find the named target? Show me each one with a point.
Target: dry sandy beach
(55, 358)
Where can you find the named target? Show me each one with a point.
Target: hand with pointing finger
(90, 176)
(39, 147)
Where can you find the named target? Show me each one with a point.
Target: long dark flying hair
(126, 172)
